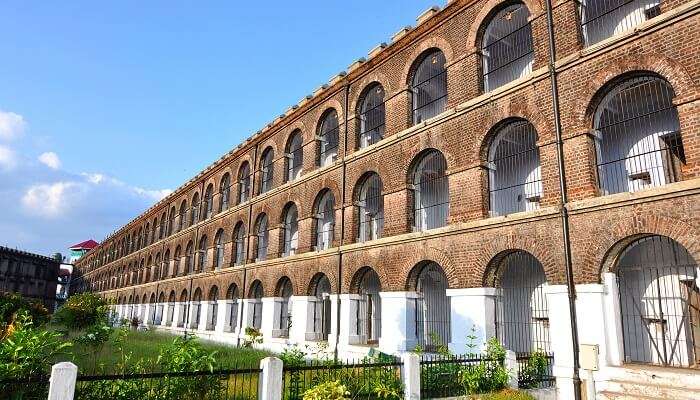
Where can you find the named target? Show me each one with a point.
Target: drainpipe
(189, 292)
(246, 243)
(342, 221)
(564, 214)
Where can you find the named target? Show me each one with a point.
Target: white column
(269, 325)
(203, 315)
(248, 307)
(193, 324)
(221, 318)
(333, 332)
(270, 381)
(472, 311)
(560, 327)
(398, 322)
(176, 314)
(302, 318)
(62, 381)
(232, 326)
(614, 345)
(410, 375)
(348, 319)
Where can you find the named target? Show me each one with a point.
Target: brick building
(32, 275)
(417, 196)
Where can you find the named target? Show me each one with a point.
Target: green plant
(507, 394)
(536, 367)
(94, 339)
(253, 336)
(331, 390)
(81, 311)
(12, 304)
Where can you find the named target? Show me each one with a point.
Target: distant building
(78, 250)
(32, 275)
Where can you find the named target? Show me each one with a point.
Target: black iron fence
(364, 379)
(238, 384)
(441, 374)
(535, 370)
(35, 388)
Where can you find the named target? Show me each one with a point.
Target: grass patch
(506, 394)
(146, 345)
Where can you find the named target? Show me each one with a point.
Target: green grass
(146, 345)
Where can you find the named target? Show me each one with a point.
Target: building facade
(31, 275)
(416, 198)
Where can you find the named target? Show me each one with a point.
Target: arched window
(194, 215)
(294, 156)
(146, 236)
(178, 268)
(238, 244)
(638, 141)
(369, 307)
(208, 202)
(262, 238)
(522, 316)
(327, 137)
(371, 115)
(231, 308)
(153, 234)
(189, 259)
(224, 192)
(601, 19)
(183, 214)
(213, 310)
(202, 254)
(165, 269)
(325, 220)
(506, 46)
(184, 300)
(433, 327)
(244, 183)
(321, 291)
(256, 294)
(161, 230)
(284, 293)
(430, 191)
(291, 230)
(196, 306)
(659, 297)
(515, 177)
(219, 249)
(171, 308)
(171, 220)
(266, 169)
(370, 206)
(429, 86)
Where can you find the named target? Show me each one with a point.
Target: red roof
(88, 244)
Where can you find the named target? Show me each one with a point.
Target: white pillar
(333, 331)
(348, 319)
(192, 323)
(176, 314)
(303, 318)
(472, 311)
(203, 315)
(511, 364)
(270, 381)
(62, 381)
(232, 326)
(270, 322)
(614, 345)
(248, 307)
(221, 318)
(398, 321)
(560, 327)
(410, 375)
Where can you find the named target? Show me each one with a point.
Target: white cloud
(8, 159)
(50, 159)
(11, 125)
(50, 200)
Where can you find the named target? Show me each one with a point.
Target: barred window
(294, 156)
(325, 220)
(372, 115)
(202, 253)
(213, 308)
(189, 257)
(291, 230)
(239, 244)
(515, 177)
(432, 319)
(430, 191)
(321, 291)
(219, 249)
(256, 294)
(327, 138)
(183, 214)
(262, 235)
(177, 261)
(266, 169)
(244, 183)
(161, 232)
(194, 215)
(429, 86)
(171, 220)
(370, 206)
(638, 141)
(208, 202)
(232, 308)
(224, 192)
(506, 50)
(284, 292)
(601, 19)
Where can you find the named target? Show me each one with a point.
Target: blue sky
(105, 107)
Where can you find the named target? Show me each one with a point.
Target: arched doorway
(659, 302)
(321, 291)
(432, 319)
(369, 306)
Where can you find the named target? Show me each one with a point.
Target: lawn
(146, 345)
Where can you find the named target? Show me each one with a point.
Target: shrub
(507, 394)
(536, 367)
(12, 304)
(332, 390)
(253, 336)
(81, 311)
(486, 376)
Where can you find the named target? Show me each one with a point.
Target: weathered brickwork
(472, 242)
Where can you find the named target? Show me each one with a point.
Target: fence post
(511, 364)
(410, 372)
(270, 381)
(62, 381)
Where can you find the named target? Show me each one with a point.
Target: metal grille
(322, 308)
(213, 311)
(369, 309)
(370, 207)
(506, 51)
(522, 315)
(638, 140)
(431, 192)
(601, 19)
(328, 138)
(294, 156)
(224, 192)
(239, 244)
(429, 87)
(219, 250)
(183, 214)
(285, 310)
(534, 373)
(208, 202)
(515, 177)
(189, 259)
(244, 183)
(291, 230)
(372, 116)
(266, 170)
(202, 254)
(194, 215)
(325, 221)
(659, 302)
(262, 236)
(440, 374)
(432, 308)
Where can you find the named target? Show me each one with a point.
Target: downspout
(342, 221)
(564, 213)
(247, 251)
(189, 292)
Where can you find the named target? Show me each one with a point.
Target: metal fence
(238, 384)
(601, 19)
(364, 379)
(535, 370)
(439, 374)
(35, 388)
